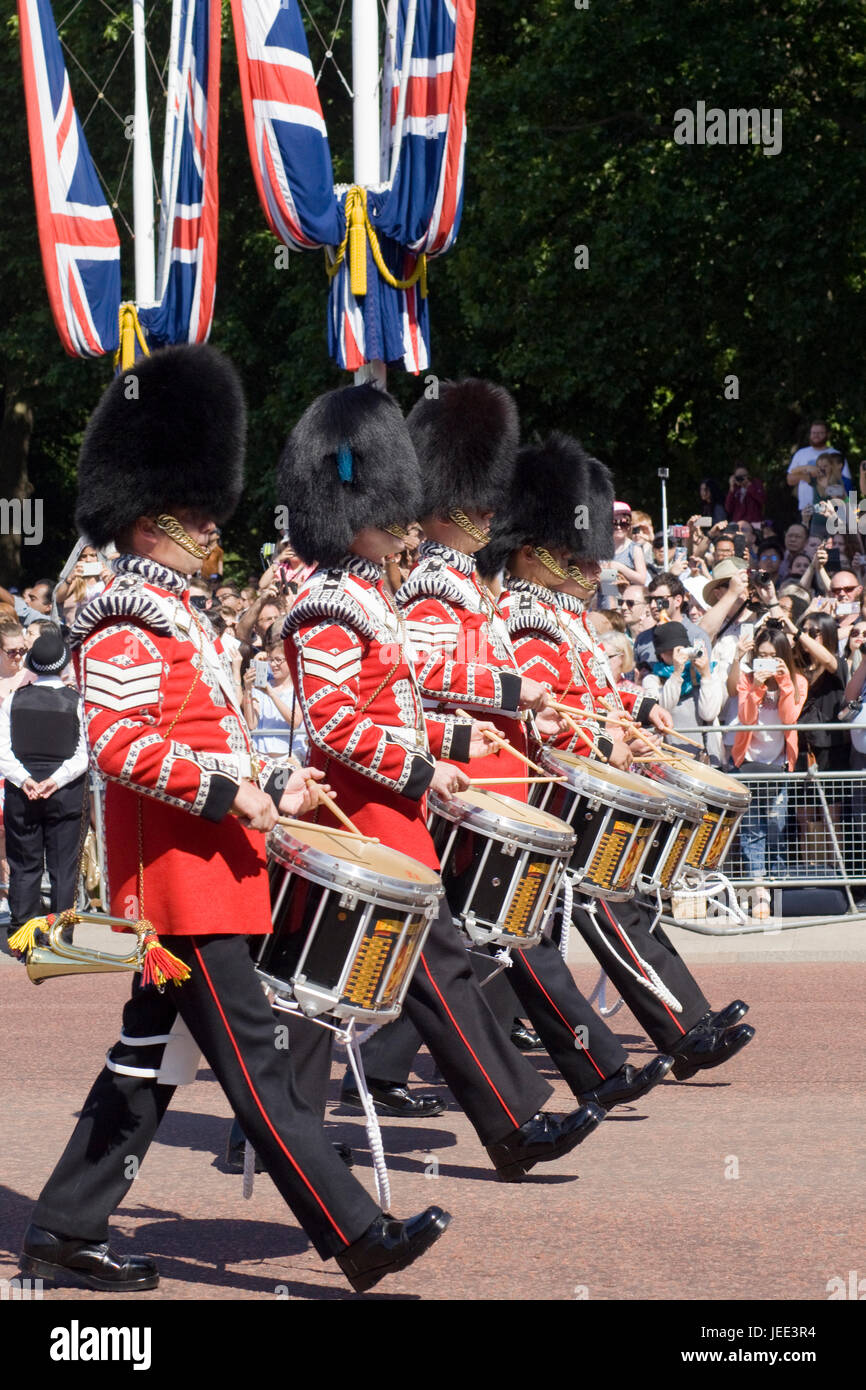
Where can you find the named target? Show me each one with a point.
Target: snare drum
(671, 842)
(350, 921)
(613, 815)
(724, 802)
(500, 861)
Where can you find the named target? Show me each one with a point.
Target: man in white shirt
(801, 469)
(43, 757)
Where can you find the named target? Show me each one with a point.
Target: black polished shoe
(542, 1138)
(524, 1038)
(395, 1101)
(628, 1083)
(345, 1153)
(389, 1245)
(702, 1048)
(727, 1017)
(86, 1264)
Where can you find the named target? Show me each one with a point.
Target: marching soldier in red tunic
(535, 540)
(466, 439)
(161, 465)
(350, 475)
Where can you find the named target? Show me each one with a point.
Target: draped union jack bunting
(77, 236)
(186, 274)
(292, 166)
(286, 133)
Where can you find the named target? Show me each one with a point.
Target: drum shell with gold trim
(724, 800)
(350, 921)
(670, 844)
(613, 815)
(501, 861)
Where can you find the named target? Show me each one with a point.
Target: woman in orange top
(771, 693)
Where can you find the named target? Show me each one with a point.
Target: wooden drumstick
(675, 733)
(512, 781)
(629, 722)
(330, 803)
(293, 823)
(577, 728)
(334, 809)
(509, 748)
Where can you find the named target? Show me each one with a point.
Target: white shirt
(767, 745)
(14, 771)
(272, 735)
(804, 487)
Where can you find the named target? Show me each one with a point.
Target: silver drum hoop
(353, 951)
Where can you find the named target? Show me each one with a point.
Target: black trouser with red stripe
(227, 1014)
(577, 1038)
(624, 943)
(496, 1086)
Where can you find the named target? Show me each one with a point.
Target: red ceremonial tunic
(463, 657)
(545, 653)
(589, 657)
(165, 730)
(369, 732)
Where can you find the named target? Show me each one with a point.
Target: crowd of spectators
(694, 623)
(739, 620)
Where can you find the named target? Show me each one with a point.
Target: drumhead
(700, 780)
(502, 818)
(344, 862)
(625, 789)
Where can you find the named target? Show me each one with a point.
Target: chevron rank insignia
(122, 689)
(334, 666)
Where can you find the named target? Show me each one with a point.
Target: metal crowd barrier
(803, 829)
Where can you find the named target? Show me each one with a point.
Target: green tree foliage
(704, 261)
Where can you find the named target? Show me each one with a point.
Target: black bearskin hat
(595, 542)
(551, 481)
(466, 440)
(348, 463)
(172, 438)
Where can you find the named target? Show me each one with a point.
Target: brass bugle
(59, 957)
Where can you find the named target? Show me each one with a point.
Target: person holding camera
(270, 704)
(745, 499)
(770, 693)
(683, 680)
(87, 579)
(846, 597)
(666, 597)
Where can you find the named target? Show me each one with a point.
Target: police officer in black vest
(43, 757)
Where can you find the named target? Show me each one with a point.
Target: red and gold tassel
(159, 965)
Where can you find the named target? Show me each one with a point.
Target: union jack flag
(77, 236)
(286, 133)
(292, 166)
(426, 201)
(186, 273)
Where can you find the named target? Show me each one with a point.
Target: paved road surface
(746, 1184)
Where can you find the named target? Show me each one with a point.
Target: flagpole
(365, 122)
(142, 175)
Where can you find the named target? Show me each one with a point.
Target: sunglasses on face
(844, 589)
(622, 523)
(858, 632)
(739, 477)
(811, 632)
(628, 602)
(659, 598)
